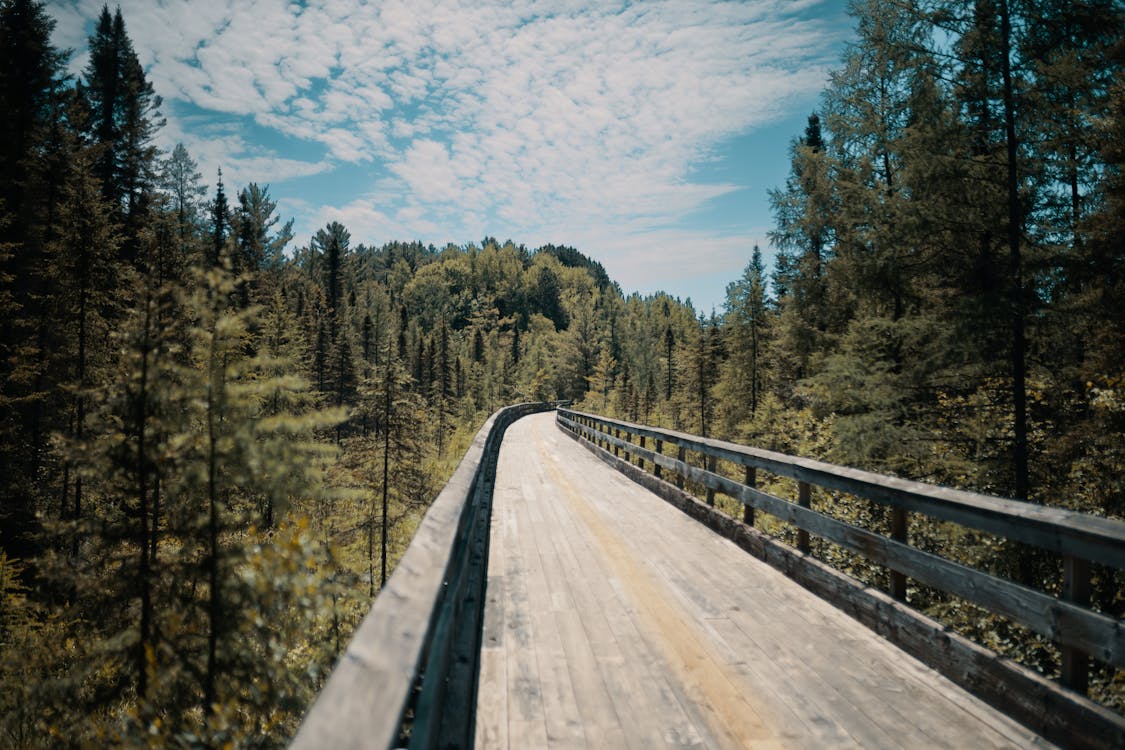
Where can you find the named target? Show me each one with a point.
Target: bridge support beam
(681, 456)
(711, 490)
(1076, 588)
(751, 481)
(898, 533)
(804, 499)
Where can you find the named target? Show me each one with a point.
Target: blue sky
(644, 134)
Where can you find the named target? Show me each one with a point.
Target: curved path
(615, 621)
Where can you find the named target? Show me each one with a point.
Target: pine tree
(260, 247)
(741, 381)
(90, 303)
(331, 243)
(700, 373)
(30, 72)
(124, 118)
(254, 453)
(182, 183)
(30, 75)
(389, 464)
(221, 227)
(601, 380)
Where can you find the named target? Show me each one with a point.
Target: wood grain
(1056, 530)
(1058, 714)
(649, 630)
(365, 699)
(1073, 626)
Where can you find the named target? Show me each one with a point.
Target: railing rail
(1078, 538)
(418, 646)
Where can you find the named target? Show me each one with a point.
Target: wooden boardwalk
(614, 621)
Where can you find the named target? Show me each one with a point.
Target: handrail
(419, 644)
(1078, 538)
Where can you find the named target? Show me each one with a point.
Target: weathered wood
(817, 678)
(750, 480)
(681, 456)
(804, 500)
(1074, 626)
(367, 695)
(898, 533)
(1076, 588)
(1060, 715)
(1056, 530)
(710, 490)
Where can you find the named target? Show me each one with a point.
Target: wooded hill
(215, 443)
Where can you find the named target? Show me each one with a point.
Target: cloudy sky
(645, 134)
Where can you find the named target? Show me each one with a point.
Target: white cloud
(532, 113)
(222, 147)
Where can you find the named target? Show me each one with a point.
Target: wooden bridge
(559, 595)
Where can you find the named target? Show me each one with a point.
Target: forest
(216, 441)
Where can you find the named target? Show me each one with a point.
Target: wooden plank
(366, 696)
(493, 629)
(1053, 529)
(857, 673)
(641, 689)
(491, 729)
(524, 695)
(561, 717)
(1034, 700)
(595, 703)
(651, 532)
(898, 533)
(1075, 626)
(598, 604)
(1076, 588)
(804, 500)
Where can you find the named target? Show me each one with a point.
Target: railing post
(898, 533)
(616, 450)
(641, 459)
(1076, 588)
(656, 469)
(751, 481)
(710, 464)
(681, 455)
(804, 499)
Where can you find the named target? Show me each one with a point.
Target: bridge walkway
(614, 621)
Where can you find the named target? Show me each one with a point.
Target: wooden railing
(408, 676)
(1079, 539)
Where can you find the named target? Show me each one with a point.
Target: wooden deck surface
(614, 621)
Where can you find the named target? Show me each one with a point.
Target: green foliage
(213, 446)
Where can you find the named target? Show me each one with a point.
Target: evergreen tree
(221, 227)
(124, 118)
(331, 243)
(601, 380)
(260, 246)
(741, 381)
(700, 373)
(182, 183)
(30, 72)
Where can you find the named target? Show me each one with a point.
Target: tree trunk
(1019, 344)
